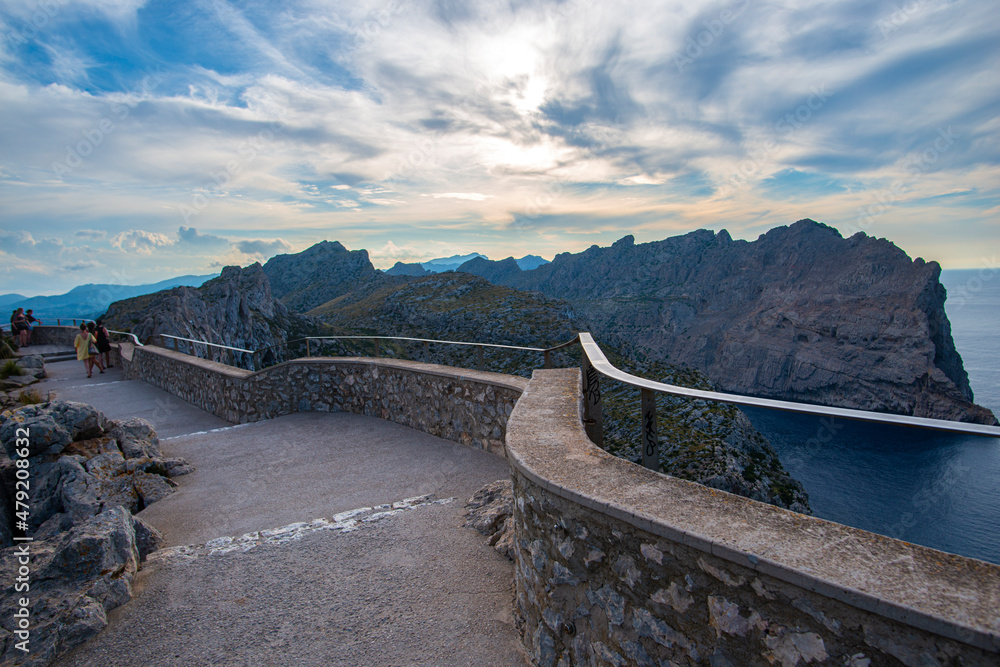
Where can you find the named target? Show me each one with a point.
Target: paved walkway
(312, 539)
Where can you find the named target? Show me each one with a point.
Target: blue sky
(141, 140)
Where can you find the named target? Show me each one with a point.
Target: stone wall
(619, 565)
(53, 335)
(465, 406)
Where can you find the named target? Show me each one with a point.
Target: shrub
(30, 397)
(9, 368)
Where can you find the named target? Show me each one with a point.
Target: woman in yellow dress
(82, 344)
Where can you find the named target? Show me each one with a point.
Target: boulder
(52, 426)
(136, 438)
(32, 365)
(15, 382)
(77, 577)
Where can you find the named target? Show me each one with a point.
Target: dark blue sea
(942, 491)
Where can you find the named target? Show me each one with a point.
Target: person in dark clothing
(103, 343)
(32, 321)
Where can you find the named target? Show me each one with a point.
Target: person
(82, 344)
(92, 330)
(32, 321)
(19, 327)
(103, 343)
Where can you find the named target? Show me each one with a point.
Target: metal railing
(595, 364)
(192, 346)
(480, 347)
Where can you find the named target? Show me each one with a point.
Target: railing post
(593, 420)
(308, 349)
(427, 352)
(58, 322)
(548, 359)
(378, 350)
(479, 357)
(650, 445)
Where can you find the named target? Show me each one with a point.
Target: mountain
(449, 263)
(235, 309)
(800, 314)
(89, 301)
(320, 273)
(529, 262)
(403, 269)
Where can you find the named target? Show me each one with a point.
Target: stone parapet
(465, 406)
(54, 335)
(616, 564)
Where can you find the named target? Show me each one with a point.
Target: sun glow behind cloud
(493, 127)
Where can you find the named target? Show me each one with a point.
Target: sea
(934, 489)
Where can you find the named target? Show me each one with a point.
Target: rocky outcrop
(800, 314)
(236, 309)
(88, 476)
(83, 464)
(76, 578)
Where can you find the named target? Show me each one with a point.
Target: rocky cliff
(235, 309)
(800, 314)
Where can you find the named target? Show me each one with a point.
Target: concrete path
(312, 539)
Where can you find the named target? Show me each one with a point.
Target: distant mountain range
(453, 263)
(90, 301)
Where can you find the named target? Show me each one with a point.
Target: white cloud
(471, 196)
(261, 247)
(140, 241)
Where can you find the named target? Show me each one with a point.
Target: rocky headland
(799, 314)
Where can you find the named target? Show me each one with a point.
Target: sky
(141, 140)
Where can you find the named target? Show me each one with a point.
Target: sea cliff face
(800, 314)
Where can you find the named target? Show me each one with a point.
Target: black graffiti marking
(593, 386)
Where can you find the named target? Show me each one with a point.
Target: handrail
(131, 335)
(203, 342)
(601, 364)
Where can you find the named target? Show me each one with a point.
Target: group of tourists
(21, 322)
(93, 334)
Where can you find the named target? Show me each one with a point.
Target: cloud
(82, 265)
(192, 236)
(91, 234)
(262, 247)
(142, 242)
(471, 196)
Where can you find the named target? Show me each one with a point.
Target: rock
(90, 448)
(77, 577)
(490, 511)
(147, 538)
(52, 425)
(236, 309)
(16, 382)
(33, 365)
(136, 438)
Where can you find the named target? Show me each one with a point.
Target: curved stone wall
(465, 406)
(619, 565)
